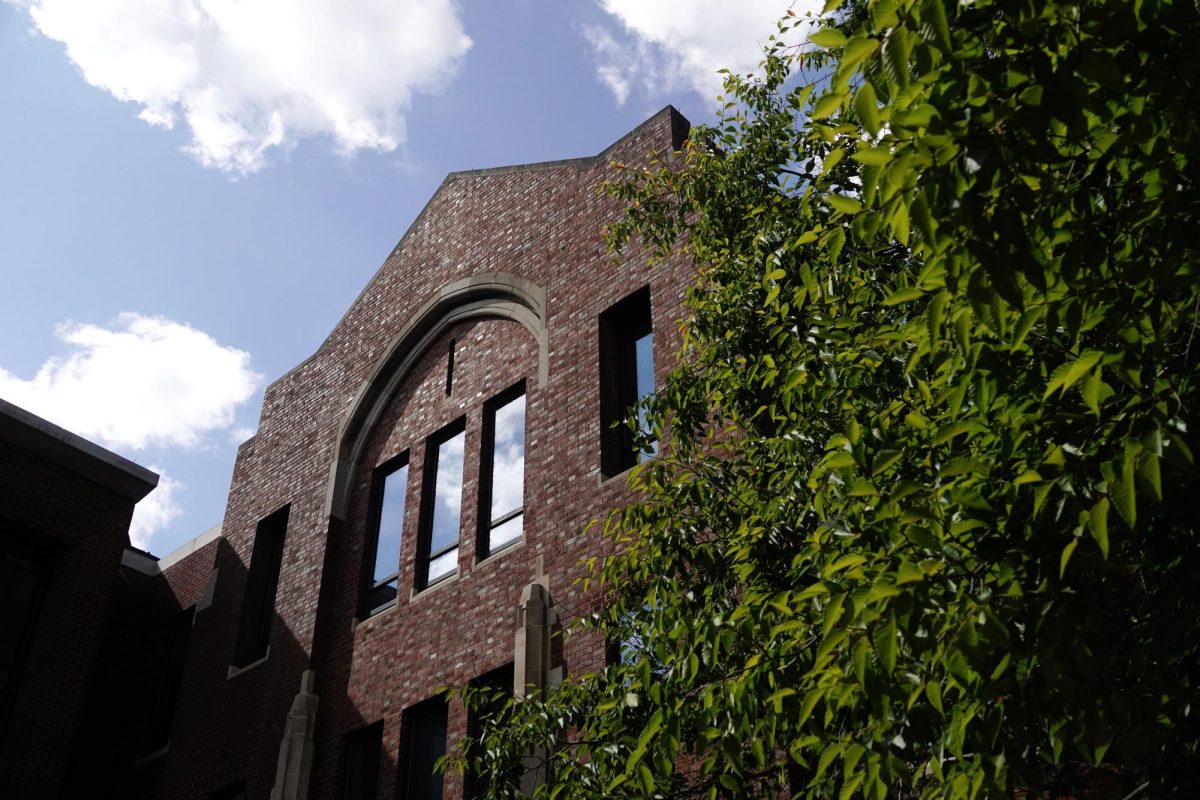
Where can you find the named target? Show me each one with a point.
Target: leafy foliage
(925, 521)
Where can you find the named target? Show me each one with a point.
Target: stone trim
(494, 295)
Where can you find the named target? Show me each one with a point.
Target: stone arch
(488, 296)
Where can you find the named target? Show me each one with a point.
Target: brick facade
(509, 264)
(65, 506)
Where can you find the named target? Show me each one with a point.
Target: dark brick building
(65, 506)
(413, 510)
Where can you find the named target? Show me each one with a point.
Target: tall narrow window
(387, 523)
(441, 505)
(500, 683)
(360, 776)
(502, 472)
(258, 603)
(22, 587)
(424, 744)
(626, 376)
(164, 692)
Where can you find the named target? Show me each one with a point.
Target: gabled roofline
(679, 132)
(70, 451)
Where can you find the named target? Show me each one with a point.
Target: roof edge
(192, 545)
(679, 131)
(57, 445)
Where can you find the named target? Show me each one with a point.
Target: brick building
(65, 507)
(412, 512)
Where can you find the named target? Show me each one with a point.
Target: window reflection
(445, 509)
(507, 480)
(391, 523)
(643, 350)
(389, 532)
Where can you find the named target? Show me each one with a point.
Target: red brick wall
(85, 525)
(540, 223)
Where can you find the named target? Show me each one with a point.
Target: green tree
(925, 522)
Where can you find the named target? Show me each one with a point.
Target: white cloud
(241, 433)
(250, 75)
(666, 46)
(508, 466)
(147, 381)
(155, 511)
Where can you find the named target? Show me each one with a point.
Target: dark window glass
(22, 582)
(502, 472)
(236, 791)
(262, 581)
(164, 694)
(441, 508)
(499, 681)
(626, 376)
(360, 779)
(424, 744)
(391, 482)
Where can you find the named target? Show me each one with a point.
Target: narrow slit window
(164, 691)
(626, 377)
(441, 505)
(643, 352)
(390, 486)
(424, 743)
(502, 471)
(22, 589)
(262, 582)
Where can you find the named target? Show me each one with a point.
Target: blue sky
(157, 278)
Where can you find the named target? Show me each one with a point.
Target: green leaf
(834, 242)
(1089, 390)
(917, 117)
(1147, 469)
(1098, 524)
(776, 699)
(828, 37)
(934, 692)
(806, 708)
(935, 314)
(647, 779)
(648, 733)
(884, 459)
(1025, 325)
(873, 155)
(905, 295)
(1066, 556)
(886, 645)
(847, 205)
(858, 49)
(951, 429)
(1028, 476)
(1066, 374)
(827, 105)
(1121, 493)
(883, 14)
(839, 459)
(832, 159)
(851, 786)
(827, 756)
(934, 25)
